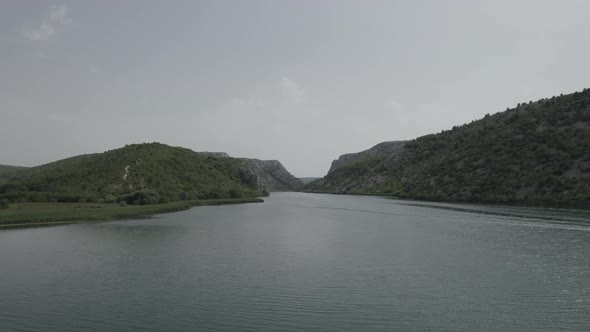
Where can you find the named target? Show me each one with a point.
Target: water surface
(304, 261)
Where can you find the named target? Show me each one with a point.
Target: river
(304, 261)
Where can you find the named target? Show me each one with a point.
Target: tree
(141, 197)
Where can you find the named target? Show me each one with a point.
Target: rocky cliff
(265, 174)
(214, 154)
(273, 175)
(386, 150)
(359, 172)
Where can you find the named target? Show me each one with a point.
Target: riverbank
(25, 214)
(582, 205)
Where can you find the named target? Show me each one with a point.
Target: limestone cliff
(273, 175)
(387, 150)
(360, 171)
(264, 174)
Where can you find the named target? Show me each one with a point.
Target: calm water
(304, 261)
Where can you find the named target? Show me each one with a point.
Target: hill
(139, 172)
(534, 152)
(4, 169)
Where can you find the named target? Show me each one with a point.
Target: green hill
(4, 169)
(139, 172)
(535, 152)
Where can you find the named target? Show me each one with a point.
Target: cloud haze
(292, 91)
(50, 25)
(297, 81)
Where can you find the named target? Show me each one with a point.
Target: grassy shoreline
(29, 214)
(583, 205)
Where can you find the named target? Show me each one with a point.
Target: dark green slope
(535, 152)
(6, 171)
(174, 173)
(10, 169)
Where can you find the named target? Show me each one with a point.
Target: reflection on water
(580, 217)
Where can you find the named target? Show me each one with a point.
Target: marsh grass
(40, 213)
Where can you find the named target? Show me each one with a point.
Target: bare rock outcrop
(273, 175)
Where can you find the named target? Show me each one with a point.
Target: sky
(298, 81)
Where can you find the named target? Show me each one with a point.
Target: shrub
(235, 193)
(4, 204)
(141, 197)
(110, 199)
(213, 194)
(37, 197)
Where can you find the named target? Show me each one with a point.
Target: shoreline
(544, 204)
(42, 214)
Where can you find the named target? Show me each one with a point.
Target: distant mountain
(10, 169)
(173, 173)
(6, 172)
(536, 152)
(273, 175)
(308, 179)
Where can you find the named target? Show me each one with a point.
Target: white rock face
(126, 174)
(273, 175)
(388, 150)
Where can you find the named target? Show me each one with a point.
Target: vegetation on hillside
(4, 204)
(136, 174)
(535, 152)
(4, 169)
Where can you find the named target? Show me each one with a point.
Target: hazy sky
(297, 81)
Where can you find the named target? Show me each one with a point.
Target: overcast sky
(297, 81)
